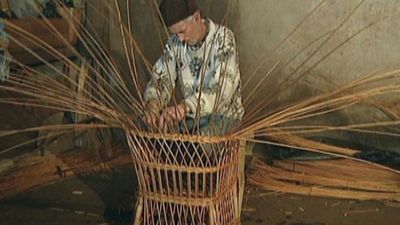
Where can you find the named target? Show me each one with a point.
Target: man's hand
(172, 115)
(152, 113)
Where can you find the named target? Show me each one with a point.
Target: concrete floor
(88, 199)
(107, 198)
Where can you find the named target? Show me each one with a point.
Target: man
(202, 57)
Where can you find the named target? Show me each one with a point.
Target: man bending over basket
(201, 56)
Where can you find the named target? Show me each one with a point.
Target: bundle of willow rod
(341, 178)
(190, 178)
(33, 171)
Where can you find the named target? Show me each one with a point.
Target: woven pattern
(183, 182)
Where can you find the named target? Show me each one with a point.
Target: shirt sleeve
(222, 78)
(163, 77)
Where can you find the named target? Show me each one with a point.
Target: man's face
(189, 30)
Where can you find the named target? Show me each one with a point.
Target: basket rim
(183, 137)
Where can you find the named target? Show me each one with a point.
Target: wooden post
(241, 174)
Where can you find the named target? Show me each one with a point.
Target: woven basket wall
(183, 182)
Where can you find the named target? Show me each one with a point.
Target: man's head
(183, 19)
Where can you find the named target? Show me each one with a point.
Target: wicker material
(3, 42)
(182, 182)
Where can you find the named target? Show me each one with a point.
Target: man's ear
(197, 16)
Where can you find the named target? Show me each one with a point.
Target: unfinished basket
(186, 182)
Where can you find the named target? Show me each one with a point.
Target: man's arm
(159, 89)
(162, 82)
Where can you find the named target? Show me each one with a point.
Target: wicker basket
(186, 182)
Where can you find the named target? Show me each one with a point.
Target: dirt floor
(107, 198)
(287, 209)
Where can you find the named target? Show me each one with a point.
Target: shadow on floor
(93, 198)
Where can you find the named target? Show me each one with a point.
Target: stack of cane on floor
(339, 178)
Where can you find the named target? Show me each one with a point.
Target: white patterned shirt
(208, 70)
